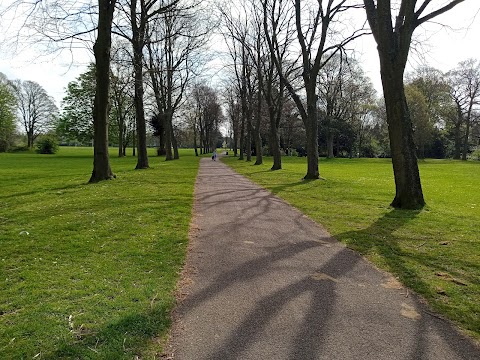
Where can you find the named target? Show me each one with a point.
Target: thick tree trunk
(101, 161)
(235, 143)
(311, 130)
(176, 155)
(408, 188)
(168, 137)
(275, 148)
(142, 160)
(161, 138)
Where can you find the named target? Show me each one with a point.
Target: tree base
(409, 204)
(95, 179)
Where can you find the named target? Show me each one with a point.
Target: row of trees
(279, 52)
(278, 47)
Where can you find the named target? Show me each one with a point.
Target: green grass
(88, 271)
(435, 251)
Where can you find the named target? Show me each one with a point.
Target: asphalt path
(263, 281)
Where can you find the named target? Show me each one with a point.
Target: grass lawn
(435, 251)
(88, 271)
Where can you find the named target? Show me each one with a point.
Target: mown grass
(87, 271)
(435, 251)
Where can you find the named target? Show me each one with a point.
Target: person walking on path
(214, 156)
(263, 281)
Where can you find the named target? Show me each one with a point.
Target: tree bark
(101, 161)
(393, 45)
(408, 187)
(138, 32)
(465, 142)
(311, 130)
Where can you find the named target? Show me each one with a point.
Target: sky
(442, 47)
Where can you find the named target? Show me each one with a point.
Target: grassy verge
(88, 271)
(436, 251)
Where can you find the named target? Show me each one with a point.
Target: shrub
(475, 155)
(47, 145)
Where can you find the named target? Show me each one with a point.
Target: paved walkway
(265, 282)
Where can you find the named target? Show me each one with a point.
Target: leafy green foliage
(434, 251)
(76, 121)
(75, 125)
(7, 116)
(89, 270)
(47, 144)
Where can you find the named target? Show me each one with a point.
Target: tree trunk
(142, 160)
(168, 137)
(311, 130)
(195, 138)
(242, 137)
(101, 161)
(465, 142)
(408, 188)
(275, 147)
(458, 137)
(235, 142)
(121, 135)
(330, 154)
(176, 155)
(249, 139)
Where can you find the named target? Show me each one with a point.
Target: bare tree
(277, 25)
(176, 43)
(465, 91)
(37, 110)
(101, 49)
(60, 24)
(123, 105)
(139, 13)
(392, 27)
(233, 115)
(318, 26)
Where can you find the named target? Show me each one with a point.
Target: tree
(233, 109)
(140, 13)
(37, 109)
(465, 92)
(431, 85)
(122, 112)
(61, 24)
(275, 22)
(101, 49)
(317, 27)
(393, 46)
(7, 114)
(175, 48)
(208, 116)
(76, 120)
(421, 121)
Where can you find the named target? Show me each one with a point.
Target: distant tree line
(27, 113)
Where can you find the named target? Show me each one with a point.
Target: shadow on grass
(379, 238)
(277, 189)
(125, 338)
(45, 190)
